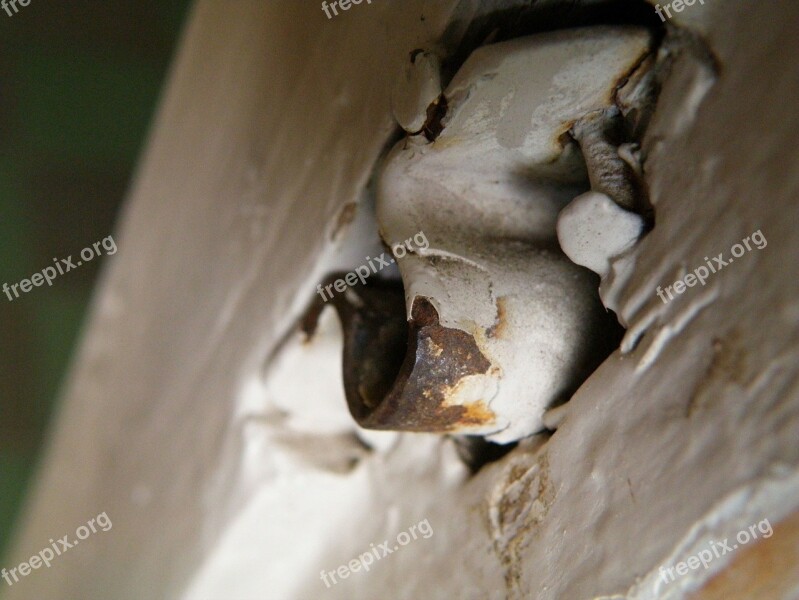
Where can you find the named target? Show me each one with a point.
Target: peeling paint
(487, 193)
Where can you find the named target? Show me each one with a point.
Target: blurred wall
(79, 82)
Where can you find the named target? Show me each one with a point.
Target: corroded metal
(437, 361)
(401, 375)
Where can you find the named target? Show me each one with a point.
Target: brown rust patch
(435, 114)
(401, 375)
(345, 216)
(497, 330)
(448, 141)
(438, 359)
(727, 366)
(521, 504)
(478, 412)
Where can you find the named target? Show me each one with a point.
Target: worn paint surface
(178, 444)
(487, 192)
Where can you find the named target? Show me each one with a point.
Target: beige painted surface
(272, 121)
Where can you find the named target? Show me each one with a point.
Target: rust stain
(497, 330)
(403, 375)
(527, 494)
(345, 216)
(729, 360)
(636, 71)
(448, 141)
(478, 413)
(437, 361)
(435, 114)
(728, 366)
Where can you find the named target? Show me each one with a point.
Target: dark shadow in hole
(375, 338)
(476, 452)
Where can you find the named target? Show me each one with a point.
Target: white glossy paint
(593, 230)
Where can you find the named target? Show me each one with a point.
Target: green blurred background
(79, 82)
